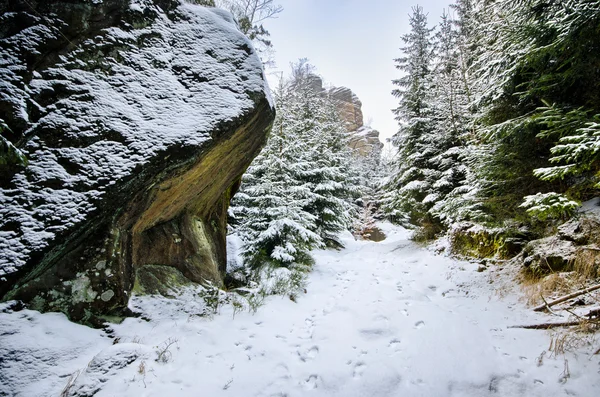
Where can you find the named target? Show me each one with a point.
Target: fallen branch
(566, 298)
(548, 307)
(547, 325)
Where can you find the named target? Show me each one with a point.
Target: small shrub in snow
(163, 352)
(213, 297)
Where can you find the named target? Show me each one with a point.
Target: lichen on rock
(137, 119)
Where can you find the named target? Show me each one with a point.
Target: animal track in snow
(308, 329)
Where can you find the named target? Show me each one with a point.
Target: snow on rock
(575, 244)
(107, 117)
(378, 319)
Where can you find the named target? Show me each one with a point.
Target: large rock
(362, 138)
(137, 120)
(349, 107)
(474, 240)
(548, 255)
(576, 246)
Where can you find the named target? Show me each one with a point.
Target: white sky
(352, 43)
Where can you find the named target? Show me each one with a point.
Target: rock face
(136, 120)
(576, 246)
(363, 139)
(349, 107)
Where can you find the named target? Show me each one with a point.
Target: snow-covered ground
(378, 319)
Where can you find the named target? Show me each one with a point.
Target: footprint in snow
(419, 324)
(311, 382)
(309, 354)
(373, 333)
(359, 368)
(394, 345)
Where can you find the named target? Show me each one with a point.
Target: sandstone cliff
(362, 138)
(131, 123)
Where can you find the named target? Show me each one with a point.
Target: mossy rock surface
(476, 241)
(159, 280)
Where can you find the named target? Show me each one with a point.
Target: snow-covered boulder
(575, 246)
(550, 254)
(136, 120)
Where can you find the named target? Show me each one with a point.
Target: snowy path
(379, 319)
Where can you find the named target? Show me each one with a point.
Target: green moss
(484, 243)
(158, 280)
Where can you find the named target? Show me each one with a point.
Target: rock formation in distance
(362, 138)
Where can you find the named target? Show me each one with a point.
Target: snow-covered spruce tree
(412, 177)
(293, 197)
(268, 210)
(329, 175)
(453, 193)
(464, 42)
(538, 81)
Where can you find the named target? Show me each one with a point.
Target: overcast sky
(352, 43)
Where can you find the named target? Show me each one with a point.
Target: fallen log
(565, 298)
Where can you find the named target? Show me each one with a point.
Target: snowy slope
(378, 319)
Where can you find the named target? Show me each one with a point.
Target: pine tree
(294, 196)
(411, 181)
(328, 176)
(269, 209)
(538, 83)
(452, 187)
